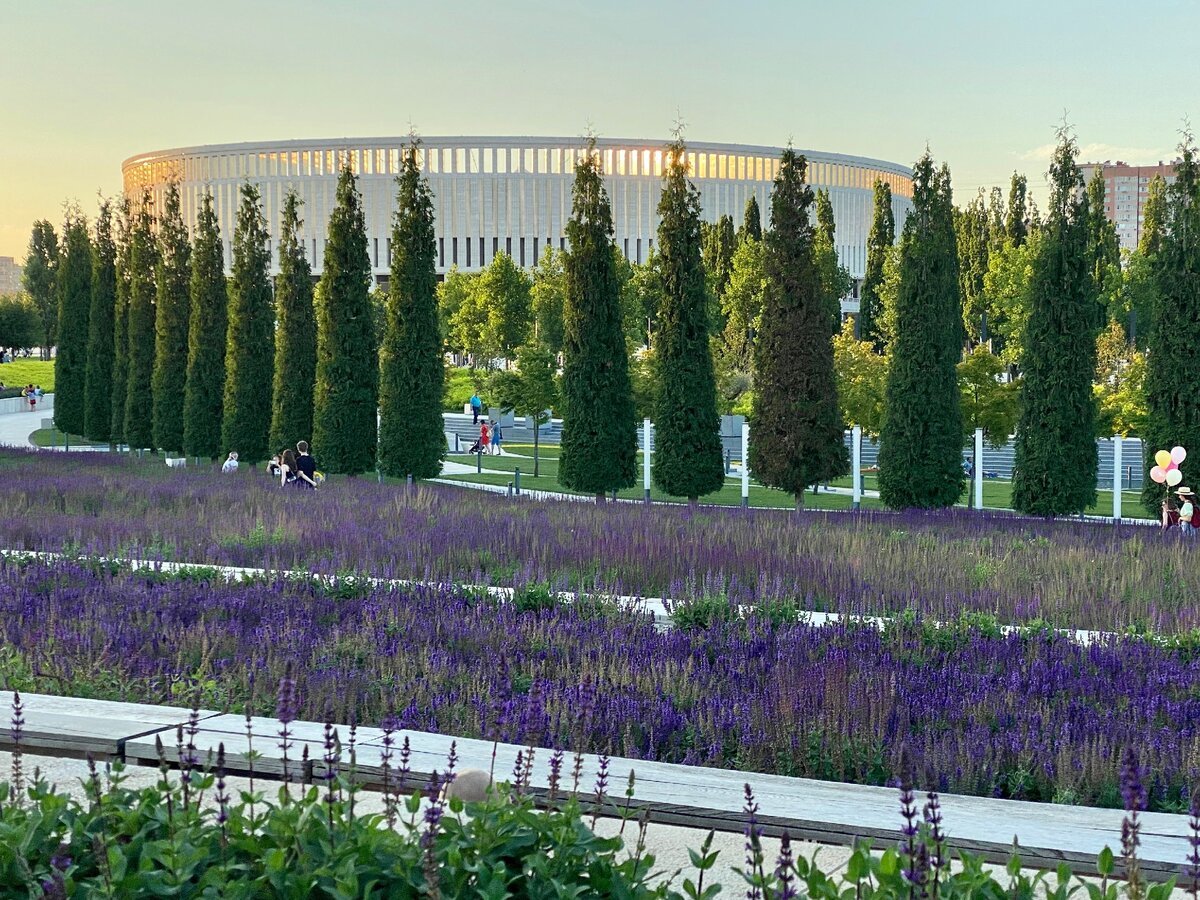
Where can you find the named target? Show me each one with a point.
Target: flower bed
(1072, 574)
(1029, 715)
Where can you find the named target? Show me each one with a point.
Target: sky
(84, 85)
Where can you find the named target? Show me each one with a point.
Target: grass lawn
(52, 437)
(996, 494)
(28, 371)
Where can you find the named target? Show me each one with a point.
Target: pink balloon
(1172, 467)
(1178, 455)
(1158, 474)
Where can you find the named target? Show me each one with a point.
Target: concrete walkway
(15, 428)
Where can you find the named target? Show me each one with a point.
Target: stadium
(510, 194)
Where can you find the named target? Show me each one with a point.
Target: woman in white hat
(1186, 510)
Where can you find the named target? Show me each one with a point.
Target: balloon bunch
(1167, 469)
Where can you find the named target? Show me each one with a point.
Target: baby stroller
(476, 447)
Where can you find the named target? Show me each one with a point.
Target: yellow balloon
(1163, 458)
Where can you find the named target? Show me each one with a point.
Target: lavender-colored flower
(785, 870)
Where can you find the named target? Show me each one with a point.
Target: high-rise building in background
(1125, 190)
(10, 275)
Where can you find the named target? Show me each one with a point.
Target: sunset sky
(86, 85)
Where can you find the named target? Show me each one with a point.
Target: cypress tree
(835, 279)
(203, 401)
(346, 399)
(599, 438)
(139, 423)
(920, 454)
(1056, 458)
(1172, 376)
(751, 221)
(171, 324)
(412, 437)
(687, 457)
(796, 427)
(120, 333)
(719, 242)
(879, 242)
(250, 338)
(74, 284)
(296, 337)
(1018, 221)
(97, 415)
(1104, 250)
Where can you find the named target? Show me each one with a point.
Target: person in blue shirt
(476, 408)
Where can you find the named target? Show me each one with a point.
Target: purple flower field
(1071, 574)
(1021, 716)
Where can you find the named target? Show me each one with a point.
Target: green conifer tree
(120, 333)
(346, 397)
(412, 438)
(1056, 458)
(97, 418)
(718, 242)
(687, 457)
(296, 335)
(74, 284)
(172, 313)
(1020, 214)
(143, 257)
(599, 438)
(835, 278)
(1172, 377)
(796, 427)
(38, 277)
(204, 397)
(250, 338)
(751, 221)
(879, 241)
(920, 454)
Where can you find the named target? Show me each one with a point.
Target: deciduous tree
(548, 296)
(38, 278)
(861, 380)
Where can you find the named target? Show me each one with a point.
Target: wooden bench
(828, 812)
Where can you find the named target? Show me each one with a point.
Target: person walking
(497, 437)
(1186, 511)
(31, 395)
(306, 467)
(485, 438)
(476, 408)
(288, 468)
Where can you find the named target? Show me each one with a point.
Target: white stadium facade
(506, 194)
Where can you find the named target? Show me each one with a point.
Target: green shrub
(534, 598)
(460, 384)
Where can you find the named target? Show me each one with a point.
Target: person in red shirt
(485, 438)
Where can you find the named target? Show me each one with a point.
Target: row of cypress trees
(158, 349)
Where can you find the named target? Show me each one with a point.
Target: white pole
(856, 465)
(745, 465)
(1117, 478)
(979, 468)
(646, 460)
